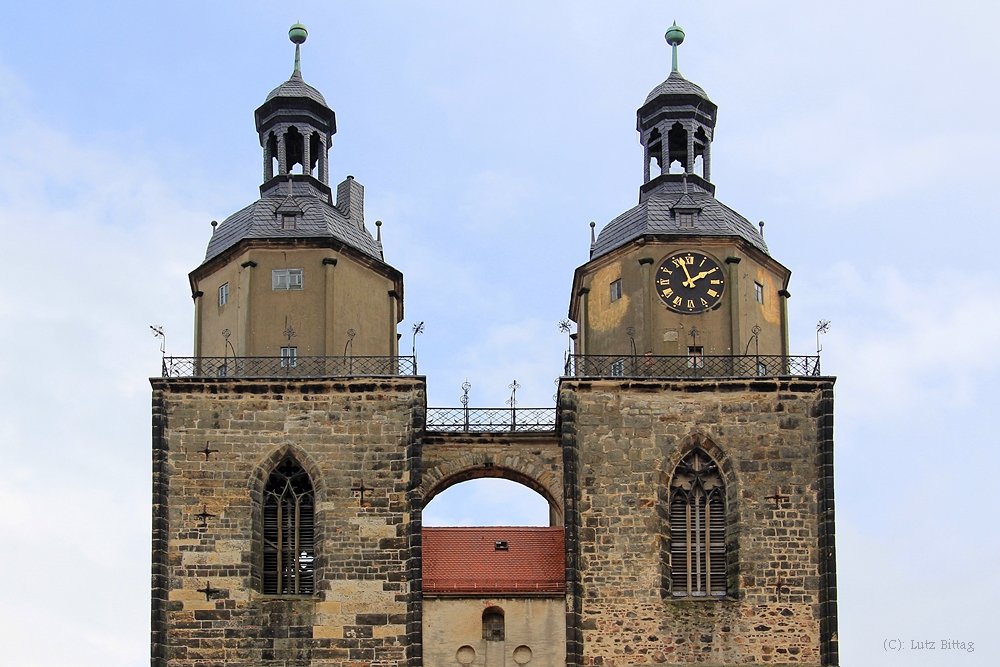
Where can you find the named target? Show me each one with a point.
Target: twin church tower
(688, 463)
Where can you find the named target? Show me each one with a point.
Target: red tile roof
(466, 560)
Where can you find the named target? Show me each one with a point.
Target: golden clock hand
(688, 282)
(701, 275)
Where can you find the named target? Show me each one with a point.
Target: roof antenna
(593, 240)
(674, 37)
(378, 225)
(297, 33)
(761, 224)
(215, 223)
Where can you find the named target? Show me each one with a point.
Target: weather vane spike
(158, 333)
(674, 37)
(297, 33)
(821, 328)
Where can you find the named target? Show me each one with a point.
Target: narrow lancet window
(697, 528)
(289, 530)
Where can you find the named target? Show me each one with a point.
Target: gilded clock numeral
(712, 293)
(702, 262)
(663, 281)
(677, 301)
(690, 304)
(668, 292)
(714, 282)
(704, 304)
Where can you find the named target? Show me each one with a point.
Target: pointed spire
(297, 34)
(674, 37)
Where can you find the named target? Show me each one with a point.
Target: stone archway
(531, 459)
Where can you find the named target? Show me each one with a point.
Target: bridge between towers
(463, 444)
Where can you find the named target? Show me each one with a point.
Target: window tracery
(289, 530)
(697, 528)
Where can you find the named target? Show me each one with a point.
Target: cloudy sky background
(488, 136)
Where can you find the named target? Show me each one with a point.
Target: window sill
(287, 596)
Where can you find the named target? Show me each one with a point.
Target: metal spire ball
(297, 33)
(674, 37)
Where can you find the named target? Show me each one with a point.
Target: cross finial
(674, 37)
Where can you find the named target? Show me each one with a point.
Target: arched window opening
(493, 626)
(314, 149)
(294, 149)
(272, 156)
(677, 139)
(655, 143)
(489, 502)
(289, 530)
(697, 528)
(700, 144)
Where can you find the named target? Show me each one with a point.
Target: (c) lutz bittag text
(928, 645)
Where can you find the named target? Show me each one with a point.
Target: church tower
(680, 273)
(697, 452)
(284, 448)
(297, 273)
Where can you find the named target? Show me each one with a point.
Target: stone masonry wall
(622, 442)
(206, 505)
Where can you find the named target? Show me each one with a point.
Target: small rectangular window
(288, 221)
(696, 356)
(758, 292)
(224, 294)
(289, 357)
(282, 279)
(685, 219)
(616, 290)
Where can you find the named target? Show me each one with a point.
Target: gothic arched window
(493, 626)
(289, 530)
(697, 528)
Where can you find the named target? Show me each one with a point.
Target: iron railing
(281, 367)
(491, 419)
(639, 366)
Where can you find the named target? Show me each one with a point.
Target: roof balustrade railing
(287, 367)
(693, 366)
(494, 420)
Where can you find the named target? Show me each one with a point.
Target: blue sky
(488, 136)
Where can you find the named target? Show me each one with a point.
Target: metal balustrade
(491, 419)
(694, 366)
(287, 367)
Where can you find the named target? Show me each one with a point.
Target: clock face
(690, 282)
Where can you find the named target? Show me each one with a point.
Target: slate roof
(297, 87)
(319, 219)
(653, 216)
(676, 85)
(465, 560)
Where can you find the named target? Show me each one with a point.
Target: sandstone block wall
(537, 624)
(342, 432)
(621, 442)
